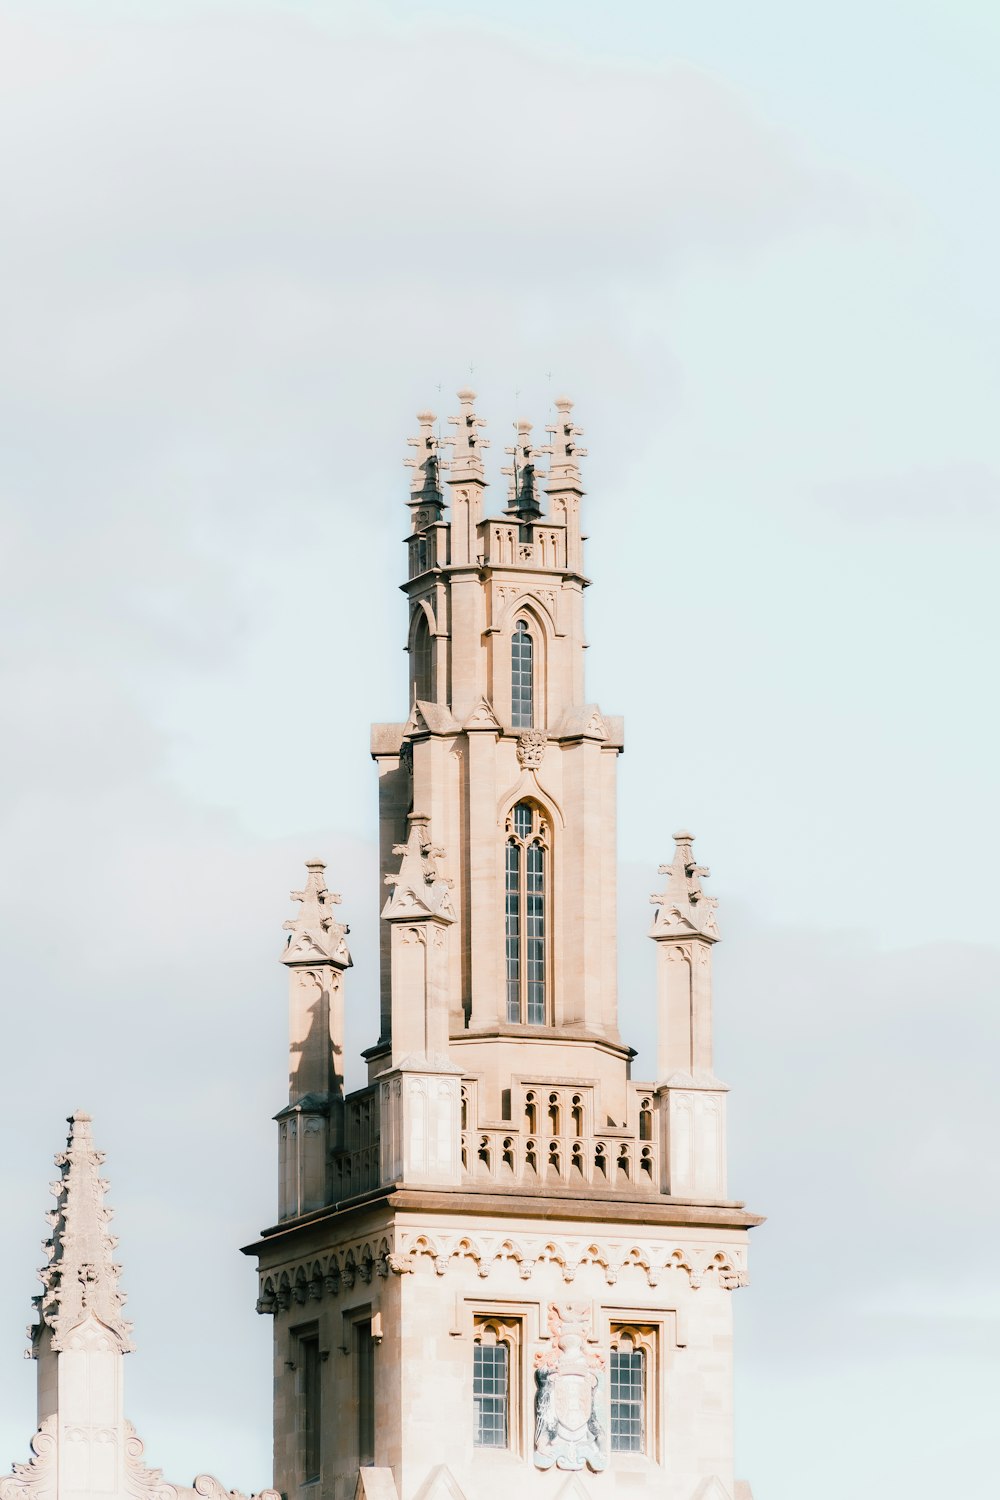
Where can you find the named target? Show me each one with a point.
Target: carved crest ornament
(569, 1378)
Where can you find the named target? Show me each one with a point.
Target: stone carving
(81, 1279)
(531, 748)
(314, 935)
(382, 1256)
(522, 492)
(38, 1476)
(466, 445)
(482, 717)
(418, 890)
(208, 1486)
(425, 483)
(568, 1377)
(683, 906)
(564, 469)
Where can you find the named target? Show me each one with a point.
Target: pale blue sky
(241, 244)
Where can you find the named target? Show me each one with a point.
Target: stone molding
(398, 1252)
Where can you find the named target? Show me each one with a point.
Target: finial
(564, 470)
(683, 906)
(522, 492)
(426, 498)
(466, 461)
(418, 889)
(81, 1278)
(314, 936)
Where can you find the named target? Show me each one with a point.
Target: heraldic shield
(569, 1379)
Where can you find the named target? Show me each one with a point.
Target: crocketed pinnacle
(418, 889)
(314, 936)
(564, 468)
(81, 1278)
(522, 492)
(466, 462)
(426, 498)
(683, 906)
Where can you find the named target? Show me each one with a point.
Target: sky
(240, 246)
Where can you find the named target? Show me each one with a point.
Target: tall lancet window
(525, 914)
(422, 650)
(522, 675)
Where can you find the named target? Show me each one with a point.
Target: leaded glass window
(522, 677)
(628, 1397)
(491, 1393)
(525, 902)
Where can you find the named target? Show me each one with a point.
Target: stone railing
(510, 544)
(356, 1161)
(552, 1138)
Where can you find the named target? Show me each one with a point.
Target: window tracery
(522, 675)
(525, 914)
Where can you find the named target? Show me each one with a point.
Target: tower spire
(81, 1278)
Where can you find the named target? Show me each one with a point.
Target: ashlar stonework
(504, 1263)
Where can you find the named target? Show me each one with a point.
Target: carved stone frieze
(399, 1252)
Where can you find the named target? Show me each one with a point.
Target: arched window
(632, 1379)
(422, 653)
(525, 913)
(522, 677)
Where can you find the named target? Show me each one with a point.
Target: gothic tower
(504, 1262)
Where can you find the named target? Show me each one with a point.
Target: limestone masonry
(504, 1265)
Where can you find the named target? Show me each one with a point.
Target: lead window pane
(628, 1400)
(490, 1391)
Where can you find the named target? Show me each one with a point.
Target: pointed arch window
(525, 914)
(422, 654)
(522, 677)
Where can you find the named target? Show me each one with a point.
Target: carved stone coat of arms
(568, 1380)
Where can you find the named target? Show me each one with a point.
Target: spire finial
(314, 935)
(426, 498)
(564, 470)
(81, 1278)
(683, 905)
(418, 889)
(522, 492)
(466, 461)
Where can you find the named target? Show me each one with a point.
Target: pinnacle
(314, 935)
(81, 1278)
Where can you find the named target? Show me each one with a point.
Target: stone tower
(504, 1263)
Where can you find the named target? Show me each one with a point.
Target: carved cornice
(399, 1251)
